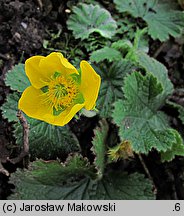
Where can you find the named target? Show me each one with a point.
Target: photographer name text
(70, 207)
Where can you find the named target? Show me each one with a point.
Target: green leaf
(47, 141)
(154, 67)
(95, 42)
(10, 107)
(87, 19)
(75, 166)
(111, 87)
(141, 40)
(136, 8)
(140, 44)
(122, 45)
(108, 53)
(176, 149)
(162, 17)
(17, 79)
(138, 117)
(54, 181)
(99, 146)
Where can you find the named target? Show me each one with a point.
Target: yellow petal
(31, 103)
(40, 69)
(66, 115)
(90, 84)
(55, 62)
(33, 71)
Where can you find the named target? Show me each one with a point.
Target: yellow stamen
(61, 92)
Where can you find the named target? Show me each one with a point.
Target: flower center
(61, 92)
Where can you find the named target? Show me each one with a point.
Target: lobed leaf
(162, 17)
(106, 53)
(87, 19)
(54, 181)
(138, 117)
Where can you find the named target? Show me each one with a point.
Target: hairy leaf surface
(154, 67)
(87, 19)
(111, 87)
(10, 107)
(99, 146)
(162, 17)
(106, 53)
(17, 79)
(177, 148)
(54, 181)
(138, 116)
(47, 141)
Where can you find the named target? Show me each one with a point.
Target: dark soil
(24, 25)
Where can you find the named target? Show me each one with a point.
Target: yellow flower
(58, 91)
